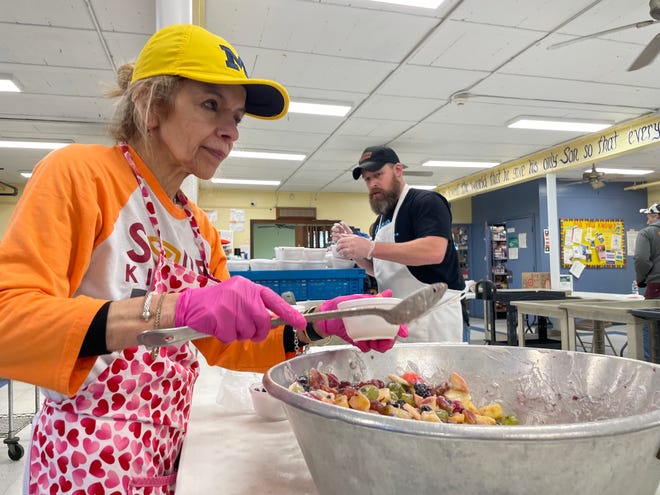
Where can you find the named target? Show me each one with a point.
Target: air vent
(293, 212)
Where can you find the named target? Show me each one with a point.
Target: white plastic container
(238, 265)
(367, 327)
(265, 405)
(264, 264)
(292, 253)
(315, 265)
(292, 264)
(314, 254)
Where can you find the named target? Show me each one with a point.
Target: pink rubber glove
(236, 309)
(336, 326)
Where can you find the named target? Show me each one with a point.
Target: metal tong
(410, 308)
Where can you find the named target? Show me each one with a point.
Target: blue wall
(574, 201)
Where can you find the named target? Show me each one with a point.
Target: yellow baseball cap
(193, 52)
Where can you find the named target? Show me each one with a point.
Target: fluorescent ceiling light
(26, 174)
(457, 164)
(266, 155)
(319, 109)
(427, 188)
(622, 171)
(7, 84)
(426, 4)
(32, 145)
(558, 125)
(246, 182)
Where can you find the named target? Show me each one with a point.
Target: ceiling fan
(651, 50)
(593, 177)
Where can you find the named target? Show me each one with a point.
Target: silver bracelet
(146, 313)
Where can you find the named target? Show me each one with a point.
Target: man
(412, 243)
(647, 253)
(647, 261)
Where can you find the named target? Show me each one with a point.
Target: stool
(600, 336)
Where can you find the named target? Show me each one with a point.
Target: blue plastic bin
(310, 284)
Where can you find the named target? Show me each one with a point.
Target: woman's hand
(336, 326)
(236, 309)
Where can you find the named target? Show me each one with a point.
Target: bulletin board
(594, 243)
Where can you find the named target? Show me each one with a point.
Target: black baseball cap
(373, 158)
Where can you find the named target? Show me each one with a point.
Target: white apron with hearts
(445, 323)
(122, 433)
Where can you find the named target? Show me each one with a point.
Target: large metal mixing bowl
(590, 424)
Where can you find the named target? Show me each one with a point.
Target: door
(521, 241)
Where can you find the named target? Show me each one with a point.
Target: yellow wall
(352, 208)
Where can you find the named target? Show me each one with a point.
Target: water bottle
(635, 289)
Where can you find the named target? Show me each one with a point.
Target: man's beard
(387, 201)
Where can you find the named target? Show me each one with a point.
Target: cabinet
(460, 234)
(498, 258)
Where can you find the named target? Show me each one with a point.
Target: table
(485, 289)
(550, 309)
(615, 311)
(238, 454)
(543, 309)
(653, 317)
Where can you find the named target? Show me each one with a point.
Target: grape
(370, 391)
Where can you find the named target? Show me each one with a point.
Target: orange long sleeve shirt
(80, 236)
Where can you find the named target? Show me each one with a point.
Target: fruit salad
(408, 396)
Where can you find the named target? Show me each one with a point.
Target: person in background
(412, 244)
(647, 261)
(103, 246)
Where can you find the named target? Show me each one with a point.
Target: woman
(103, 245)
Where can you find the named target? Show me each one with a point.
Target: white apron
(443, 324)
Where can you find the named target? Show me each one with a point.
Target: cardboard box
(536, 280)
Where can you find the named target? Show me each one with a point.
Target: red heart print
(118, 365)
(101, 409)
(78, 458)
(62, 463)
(90, 445)
(72, 437)
(49, 449)
(106, 454)
(96, 470)
(59, 426)
(133, 403)
(112, 480)
(89, 424)
(128, 385)
(158, 367)
(124, 460)
(83, 403)
(120, 442)
(155, 402)
(114, 382)
(146, 394)
(79, 476)
(96, 488)
(118, 401)
(136, 428)
(65, 484)
(104, 432)
(60, 445)
(175, 284)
